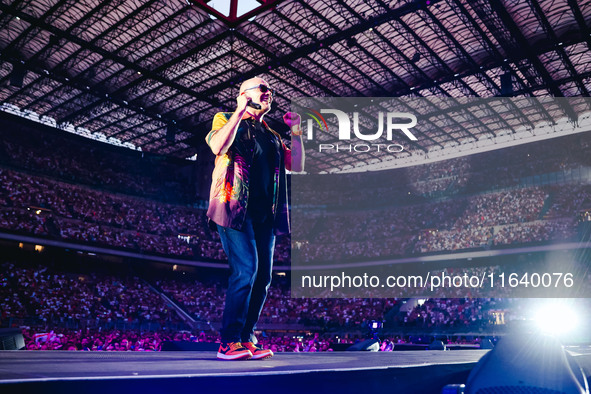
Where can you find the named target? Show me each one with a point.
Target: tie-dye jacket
(228, 196)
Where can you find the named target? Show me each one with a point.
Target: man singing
(248, 203)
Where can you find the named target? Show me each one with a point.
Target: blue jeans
(250, 254)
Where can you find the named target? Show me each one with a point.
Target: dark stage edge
(201, 372)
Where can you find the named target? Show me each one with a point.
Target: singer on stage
(248, 203)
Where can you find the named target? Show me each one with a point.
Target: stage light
(556, 318)
(522, 363)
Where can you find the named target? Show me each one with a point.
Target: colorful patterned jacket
(228, 195)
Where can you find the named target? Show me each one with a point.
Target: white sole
(262, 357)
(222, 356)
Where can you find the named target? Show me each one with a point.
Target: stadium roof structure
(151, 74)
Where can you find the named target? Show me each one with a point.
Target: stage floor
(409, 372)
(29, 366)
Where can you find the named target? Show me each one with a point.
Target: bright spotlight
(556, 318)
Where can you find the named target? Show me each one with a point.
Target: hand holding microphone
(245, 101)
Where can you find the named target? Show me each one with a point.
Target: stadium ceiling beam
(328, 71)
(293, 69)
(388, 93)
(308, 49)
(54, 40)
(120, 90)
(30, 31)
(539, 13)
(483, 77)
(524, 45)
(166, 100)
(142, 78)
(144, 72)
(12, 48)
(176, 60)
(100, 95)
(5, 18)
(486, 43)
(182, 121)
(233, 20)
(425, 77)
(408, 90)
(513, 53)
(585, 30)
(562, 81)
(73, 56)
(458, 49)
(113, 124)
(302, 74)
(376, 85)
(444, 70)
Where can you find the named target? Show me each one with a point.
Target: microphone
(253, 105)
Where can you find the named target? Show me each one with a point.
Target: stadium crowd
(41, 206)
(57, 298)
(80, 311)
(79, 160)
(35, 205)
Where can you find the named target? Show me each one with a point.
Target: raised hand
(292, 119)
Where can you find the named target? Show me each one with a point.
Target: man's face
(260, 92)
